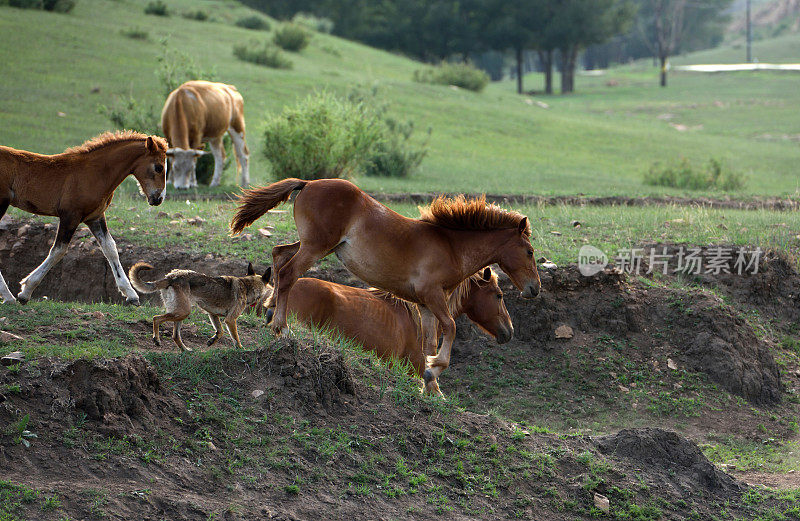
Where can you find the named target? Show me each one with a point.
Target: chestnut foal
(77, 187)
(419, 260)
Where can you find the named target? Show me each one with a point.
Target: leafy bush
(199, 15)
(57, 6)
(264, 54)
(329, 136)
(682, 174)
(291, 37)
(314, 23)
(136, 33)
(157, 8)
(254, 22)
(461, 75)
(322, 136)
(395, 154)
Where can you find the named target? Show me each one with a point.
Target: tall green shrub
(461, 75)
(322, 136)
(291, 37)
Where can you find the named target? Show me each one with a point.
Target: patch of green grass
(764, 456)
(597, 141)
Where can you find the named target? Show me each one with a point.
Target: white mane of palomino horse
(198, 112)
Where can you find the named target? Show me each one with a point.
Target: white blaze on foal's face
(183, 165)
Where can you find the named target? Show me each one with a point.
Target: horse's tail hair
(255, 202)
(142, 286)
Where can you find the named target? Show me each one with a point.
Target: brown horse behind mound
(391, 327)
(419, 260)
(77, 186)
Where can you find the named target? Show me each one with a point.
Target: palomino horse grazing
(392, 327)
(420, 260)
(200, 111)
(77, 186)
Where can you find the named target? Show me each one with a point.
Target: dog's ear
(267, 275)
(250, 270)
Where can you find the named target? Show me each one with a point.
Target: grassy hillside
(780, 49)
(599, 141)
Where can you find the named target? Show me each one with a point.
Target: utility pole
(749, 35)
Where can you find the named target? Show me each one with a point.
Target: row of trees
(436, 30)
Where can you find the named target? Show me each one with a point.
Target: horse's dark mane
(460, 213)
(108, 138)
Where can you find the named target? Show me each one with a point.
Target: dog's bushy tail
(255, 202)
(142, 286)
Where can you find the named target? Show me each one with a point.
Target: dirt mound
(312, 375)
(679, 461)
(769, 284)
(113, 397)
(696, 329)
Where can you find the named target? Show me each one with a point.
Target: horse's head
(485, 307)
(516, 259)
(150, 169)
(183, 165)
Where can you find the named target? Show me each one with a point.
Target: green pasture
(598, 141)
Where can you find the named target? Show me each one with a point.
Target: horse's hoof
(156, 341)
(22, 300)
(132, 302)
(428, 376)
(211, 341)
(270, 312)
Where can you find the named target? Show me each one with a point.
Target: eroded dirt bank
(298, 431)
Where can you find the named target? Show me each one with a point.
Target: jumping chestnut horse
(392, 327)
(77, 187)
(419, 260)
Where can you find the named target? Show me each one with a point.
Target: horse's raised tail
(142, 286)
(255, 202)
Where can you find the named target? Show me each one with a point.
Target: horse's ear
(151, 144)
(523, 225)
(267, 275)
(250, 270)
(487, 274)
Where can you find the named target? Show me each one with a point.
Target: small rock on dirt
(601, 502)
(671, 364)
(257, 393)
(264, 232)
(162, 215)
(564, 331)
(177, 215)
(557, 234)
(196, 220)
(17, 357)
(23, 230)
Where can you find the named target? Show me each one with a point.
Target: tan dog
(224, 296)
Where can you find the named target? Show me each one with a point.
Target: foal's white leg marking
(239, 148)
(29, 283)
(219, 161)
(5, 292)
(109, 248)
